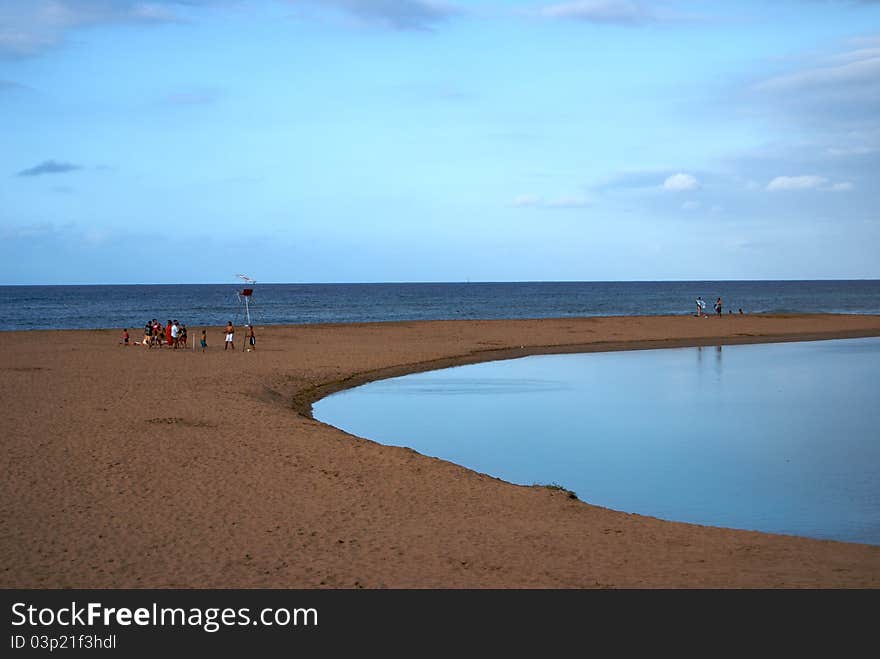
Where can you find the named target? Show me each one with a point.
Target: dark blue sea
(92, 307)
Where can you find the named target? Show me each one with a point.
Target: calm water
(782, 438)
(89, 307)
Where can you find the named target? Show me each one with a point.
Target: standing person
(204, 340)
(181, 337)
(148, 334)
(175, 334)
(718, 306)
(701, 306)
(230, 336)
(251, 338)
(169, 335)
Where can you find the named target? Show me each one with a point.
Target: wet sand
(126, 467)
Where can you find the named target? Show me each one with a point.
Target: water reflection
(476, 386)
(774, 437)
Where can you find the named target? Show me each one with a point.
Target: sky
(418, 140)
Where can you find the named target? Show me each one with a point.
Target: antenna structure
(245, 294)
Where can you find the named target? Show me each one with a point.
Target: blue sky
(408, 140)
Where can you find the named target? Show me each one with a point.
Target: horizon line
(468, 281)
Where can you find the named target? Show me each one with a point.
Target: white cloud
(397, 14)
(835, 97)
(28, 27)
(863, 70)
(844, 186)
(96, 237)
(534, 201)
(36, 230)
(808, 182)
(681, 183)
(846, 151)
(855, 55)
(796, 183)
(600, 11)
(526, 200)
(151, 11)
(567, 202)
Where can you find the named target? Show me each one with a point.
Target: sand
(124, 467)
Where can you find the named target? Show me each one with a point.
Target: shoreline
(303, 402)
(135, 468)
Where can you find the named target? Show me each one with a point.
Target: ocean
(118, 306)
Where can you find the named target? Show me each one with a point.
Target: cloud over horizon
(534, 201)
(49, 167)
(396, 14)
(600, 11)
(626, 13)
(839, 92)
(9, 85)
(807, 182)
(681, 183)
(856, 67)
(28, 28)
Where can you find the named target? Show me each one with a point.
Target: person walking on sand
(718, 307)
(230, 336)
(204, 340)
(251, 339)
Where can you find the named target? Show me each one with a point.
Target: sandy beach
(125, 467)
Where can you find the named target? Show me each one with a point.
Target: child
(124, 340)
(204, 340)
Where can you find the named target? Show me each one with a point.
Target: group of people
(174, 335)
(719, 307)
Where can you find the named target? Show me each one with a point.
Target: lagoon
(782, 438)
